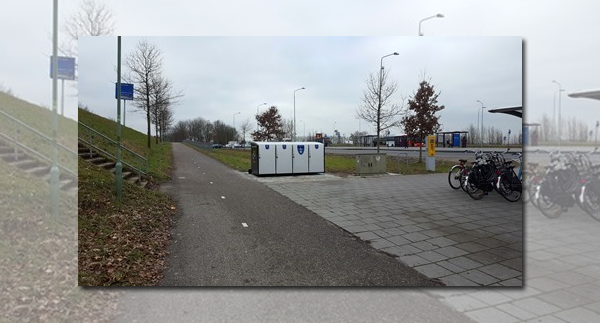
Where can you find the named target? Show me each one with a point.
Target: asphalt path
(232, 231)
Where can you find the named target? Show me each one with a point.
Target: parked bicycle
(508, 183)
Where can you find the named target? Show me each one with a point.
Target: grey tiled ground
(562, 263)
(562, 256)
(441, 232)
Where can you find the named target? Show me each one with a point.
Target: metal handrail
(142, 162)
(19, 144)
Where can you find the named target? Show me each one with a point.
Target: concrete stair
(109, 165)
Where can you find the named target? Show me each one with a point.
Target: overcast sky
(223, 76)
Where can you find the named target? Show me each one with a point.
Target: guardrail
(96, 140)
(35, 144)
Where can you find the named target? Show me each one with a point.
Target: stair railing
(95, 140)
(22, 137)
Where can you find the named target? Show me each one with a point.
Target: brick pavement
(441, 232)
(562, 263)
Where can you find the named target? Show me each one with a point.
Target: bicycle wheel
(509, 186)
(545, 202)
(463, 178)
(472, 188)
(590, 199)
(454, 176)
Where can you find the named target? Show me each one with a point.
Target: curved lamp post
(439, 15)
(481, 128)
(257, 113)
(302, 88)
(560, 90)
(379, 94)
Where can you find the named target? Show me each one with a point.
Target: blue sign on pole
(66, 68)
(126, 91)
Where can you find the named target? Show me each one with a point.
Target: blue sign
(284, 146)
(267, 147)
(301, 149)
(316, 146)
(66, 68)
(126, 91)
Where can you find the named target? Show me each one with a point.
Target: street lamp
(439, 15)
(481, 129)
(560, 90)
(304, 133)
(294, 137)
(379, 94)
(257, 114)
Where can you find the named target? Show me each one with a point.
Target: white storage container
(316, 157)
(300, 150)
(283, 158)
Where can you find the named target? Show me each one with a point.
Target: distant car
(217, 146)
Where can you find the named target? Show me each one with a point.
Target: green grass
(239, 159)
(122, 243)
(159, 155)
(39, 119)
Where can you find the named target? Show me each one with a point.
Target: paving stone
(484, 257)
(433, 270)
(491, 297)
(451, 251)
(499, 271)
(546, 319)
(516, 311)
(366, 236)
(564, 299)
(413, 261)
(381, 243)
(479, 277)
(457, 280)
(491, 315)
(355, 229)
(415, 236)
(450, 266)
(394, 231)
(432, 256)
(424, 245)
(536, 306)
(513, 282)
(398, 240)
(465, 303)
(442, 241)
(382, 233)
(471, 246)
(410, 228)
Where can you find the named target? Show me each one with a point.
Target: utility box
(370, 164)
(262, 158)
(300, 155)
(278, 158)
(316, 157)
(283, 158)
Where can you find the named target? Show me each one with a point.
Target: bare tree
(164, 97)
(91, 19)
(376, 107)
(245, 127)
(145, 67)
(420, 119)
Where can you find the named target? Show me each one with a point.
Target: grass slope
(159, 155)
(39, 257)
(122, 243)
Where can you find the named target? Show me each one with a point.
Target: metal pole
(294, 136)
(54, 170)
(62, 99)
(119, 166)
(124, 111)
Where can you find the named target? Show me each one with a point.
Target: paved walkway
(440, 232)
(562, 256)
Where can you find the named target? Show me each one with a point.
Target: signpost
(65, 71)
(126, 94)
(430, 159)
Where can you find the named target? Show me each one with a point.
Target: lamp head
(439, 15)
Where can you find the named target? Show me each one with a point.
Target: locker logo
(316, 146)
(284, 146)
(301, 149)
(267, 147)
